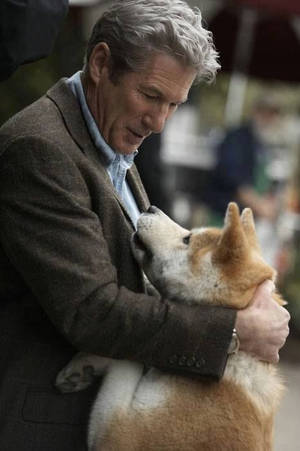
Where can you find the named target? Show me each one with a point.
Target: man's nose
(155, 119)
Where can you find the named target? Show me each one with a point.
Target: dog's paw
(80, 372)
(72, 379)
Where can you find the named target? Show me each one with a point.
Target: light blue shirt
(116, 163)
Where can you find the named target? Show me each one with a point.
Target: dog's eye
(186, 239)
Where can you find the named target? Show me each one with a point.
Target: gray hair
(135, 29)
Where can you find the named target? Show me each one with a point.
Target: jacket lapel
(66, 102)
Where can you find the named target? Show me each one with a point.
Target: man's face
(139, 103)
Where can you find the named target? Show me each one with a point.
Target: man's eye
(186, 239)
(149, 96)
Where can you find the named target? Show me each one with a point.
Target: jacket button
(182, 360)
(173, 359)
(191, 361)
(200, 363)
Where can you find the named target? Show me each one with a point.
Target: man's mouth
(139, 135)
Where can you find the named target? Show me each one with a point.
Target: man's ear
(99, 61)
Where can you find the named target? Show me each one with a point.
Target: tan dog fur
(169, 412)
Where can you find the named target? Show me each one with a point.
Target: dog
(155, 411)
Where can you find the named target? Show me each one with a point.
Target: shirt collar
(110, 156)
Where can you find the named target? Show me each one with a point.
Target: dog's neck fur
(259, 380)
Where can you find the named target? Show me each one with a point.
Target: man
(241, 174)
(68, 279)
(242, 157)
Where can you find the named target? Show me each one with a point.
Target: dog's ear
(249, 228)
(278, 298)
(233, 244)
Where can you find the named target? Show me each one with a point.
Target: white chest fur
(259, 380)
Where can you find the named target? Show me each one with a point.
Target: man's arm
(54, 239)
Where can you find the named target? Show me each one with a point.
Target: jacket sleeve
(55, 241)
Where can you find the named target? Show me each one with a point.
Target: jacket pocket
(48, 406)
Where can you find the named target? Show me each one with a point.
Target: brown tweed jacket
(68, 280)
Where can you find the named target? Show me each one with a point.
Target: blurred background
(235, 139)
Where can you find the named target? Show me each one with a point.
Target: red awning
(276, 6)
(257, 43)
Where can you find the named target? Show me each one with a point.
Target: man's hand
(262, 327)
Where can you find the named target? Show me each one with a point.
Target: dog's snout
(152, 209)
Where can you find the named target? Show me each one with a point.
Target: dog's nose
(152, 209)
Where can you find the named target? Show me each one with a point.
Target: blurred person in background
(70, 198)
(240, 173)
